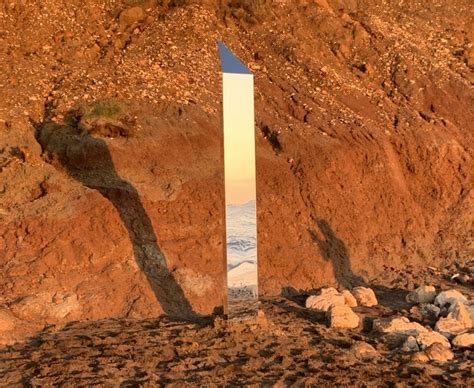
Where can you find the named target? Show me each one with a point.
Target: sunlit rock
(426, 339)
(435, 352)
(400, 326)
(350, 300)
(342, 317)
(365, 296)
(449, 327)
(328, 298)
(465, 340)
(423, 294)
(449, 297)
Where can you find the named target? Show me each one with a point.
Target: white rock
(342, 317)
(426, 339)
(327, 299)
(365, 296)
(449, 297)
(399, 325)
(449, 327)
(460, 312)
(329, 290)
(465, 340)
(349, 298)
(423, 294)
(410, 345)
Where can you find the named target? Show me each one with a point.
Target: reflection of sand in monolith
(242, 282)
(242, 302)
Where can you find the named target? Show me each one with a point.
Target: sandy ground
(288, 345)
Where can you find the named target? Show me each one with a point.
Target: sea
(241, 244)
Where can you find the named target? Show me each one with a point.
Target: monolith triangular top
(230, 63)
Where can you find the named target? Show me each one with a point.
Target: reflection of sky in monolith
(240, 191)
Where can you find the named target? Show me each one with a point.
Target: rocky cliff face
(111, 159)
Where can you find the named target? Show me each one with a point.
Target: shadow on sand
(334, 250)
(87, 159)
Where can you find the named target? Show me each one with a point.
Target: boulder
(449, 327)
(425, 340)
(410, 345)
(460, 312)
(328, 298)
(423, 294)
(399, 326)
(449, 297)
(349, 298)
(465, 340)
(435, 352)
(342, 317)
(364, 351)
(365, 296)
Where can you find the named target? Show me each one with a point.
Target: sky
(239, 138)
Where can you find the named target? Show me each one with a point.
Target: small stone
(410, 345)
(364, 351)
(423, 294)
(465, 340)
(328, 298)
(428, 312)
(427, 339)
(460, 312)
(342, 317)
(449, 327)
(349, 298)
(438, 352)
(399, 325)
(365, 296)
(435, 352)
(449, 297)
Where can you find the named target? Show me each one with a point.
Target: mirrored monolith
(240, 187)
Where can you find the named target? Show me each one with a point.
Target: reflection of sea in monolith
(240, 191)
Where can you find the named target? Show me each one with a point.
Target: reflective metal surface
(240, 189)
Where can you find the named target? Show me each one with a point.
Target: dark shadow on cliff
(86, 158)
(334, 250)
